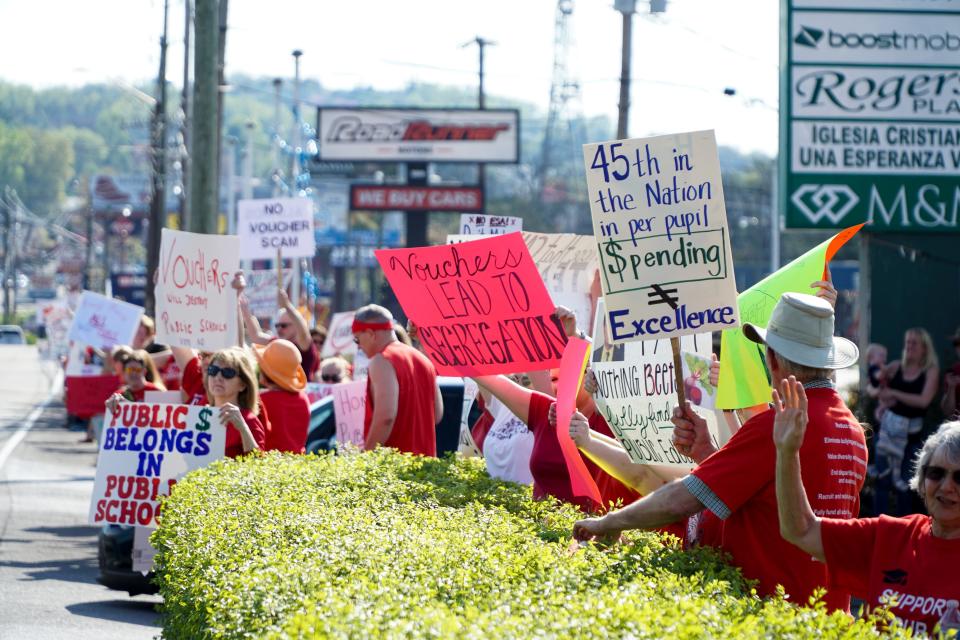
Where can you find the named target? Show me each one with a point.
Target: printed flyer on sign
(480, 307)
(484, 225)
(660, 225)
(196, 305)
(144, 449)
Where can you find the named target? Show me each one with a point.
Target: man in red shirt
(403, 399)
(736, 483)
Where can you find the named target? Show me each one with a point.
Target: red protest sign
(480, 306)
(574, 360)
(86, 394)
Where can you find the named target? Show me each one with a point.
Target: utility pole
(8, 278)
(482, 104)
(295, 167)
(627, 9)
(158, 195)
(203, 180)
(185, 126)
(277, 171)
(248, 162)
(221, 87)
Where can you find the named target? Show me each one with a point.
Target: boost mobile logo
(809, 37)
(831, 201)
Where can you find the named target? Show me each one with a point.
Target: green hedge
(386, 545)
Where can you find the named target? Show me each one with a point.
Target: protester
(232, 387)
(908, 563)
(736, 482)
(139, 376)
(506, 443)
(404, 404)
(907, 389)
(282, 383)
(290, 325)
(319, 336)
(950, 403)
(334, 370)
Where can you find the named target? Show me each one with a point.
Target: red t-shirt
(884, 558)
(550, 475)
(170, 374)
(415, 427)
(137, 396)
(289, 420)
(234, 446)
(482, 426)
(741, 475)
(192, 383)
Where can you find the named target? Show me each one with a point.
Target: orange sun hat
(280, 361)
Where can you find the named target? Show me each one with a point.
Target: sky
(682, 59)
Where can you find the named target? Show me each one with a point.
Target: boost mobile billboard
(870, 123)
(418, 135)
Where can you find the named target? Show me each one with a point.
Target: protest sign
(661, 230)
(162, 397)
(349, 409)
(196, 306)
(261, 290)
(318, 391)
(143, 551)
(104, 322)
(84, 361)
(480, 307)
(280, 224)
(575, 356)
(144, 449)
(466, 446)
(483, 225)
(637, 393)
(567, 263)
(743, 376)
(86, 394)
(339, 336)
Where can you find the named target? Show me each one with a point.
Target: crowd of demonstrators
(289, 325)
(736, 483)
(403, 404)
(908, 563)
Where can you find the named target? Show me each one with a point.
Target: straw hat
(801, 330)
(280, 361)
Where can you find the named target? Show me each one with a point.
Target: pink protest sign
(480, 307)
(574, 360)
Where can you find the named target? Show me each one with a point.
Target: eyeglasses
(132, 368)
(228, 373)
(356, 340)
(281, 325)
(331, 378)
(937, 474)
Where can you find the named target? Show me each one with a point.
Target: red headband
(359, 325)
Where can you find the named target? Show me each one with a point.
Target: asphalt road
(48, 552)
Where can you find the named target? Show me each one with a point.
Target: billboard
(418, 135)
(870, 119)
(412, 198)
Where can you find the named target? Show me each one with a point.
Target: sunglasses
(133, 368)
(282, 325)
(937, 474)
(228, 373)
(331, 378)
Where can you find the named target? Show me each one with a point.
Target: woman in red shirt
(139, 375)
(909, 563)
(232, 386)
(283, 381)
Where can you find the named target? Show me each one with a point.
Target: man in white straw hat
(736, 483)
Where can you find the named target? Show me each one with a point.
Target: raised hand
(790, 415)
(567, 319)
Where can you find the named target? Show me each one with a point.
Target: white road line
(21, 433)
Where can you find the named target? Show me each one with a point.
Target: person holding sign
(139, 376)
(232, 387)
(290, 325)
(901, 562)
(736, 484)
(283, 381)
(404, 404)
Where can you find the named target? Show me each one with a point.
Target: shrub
(388, 545)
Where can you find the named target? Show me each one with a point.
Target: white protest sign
(467, 447)
(567, 263)
(484, 225)
(162, 397)
(660, 224)
(636, 394)
(196, 304)
(261, 290)
(143, 551)
(104, 322)
(349, 409)
(264, 226)
(144, 450)
(339, 336)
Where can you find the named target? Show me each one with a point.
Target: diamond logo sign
(808, 37)
(831, 201)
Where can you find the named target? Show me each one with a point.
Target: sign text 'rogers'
(419, 135)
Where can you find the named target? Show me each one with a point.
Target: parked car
(115, 542)
(11, 334)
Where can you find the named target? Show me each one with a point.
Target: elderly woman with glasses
(909, 563)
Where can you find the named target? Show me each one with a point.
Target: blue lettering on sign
(681, 319)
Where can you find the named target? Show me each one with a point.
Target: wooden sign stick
(678, 371)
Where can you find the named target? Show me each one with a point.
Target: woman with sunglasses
(139, 376)
(910, 562)
(232, 387)
(334, 370)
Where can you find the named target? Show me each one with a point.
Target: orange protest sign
(480, 307)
